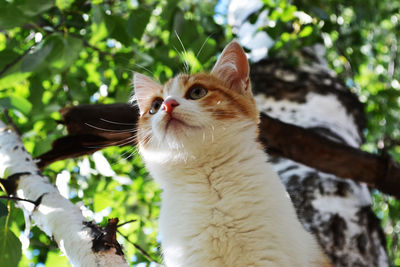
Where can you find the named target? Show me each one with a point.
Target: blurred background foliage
(57, 53)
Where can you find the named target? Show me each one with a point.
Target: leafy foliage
(69, 52)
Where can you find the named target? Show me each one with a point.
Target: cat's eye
(155, 106)
(196, 92)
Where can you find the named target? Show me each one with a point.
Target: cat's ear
(233, 69)
(145, 89)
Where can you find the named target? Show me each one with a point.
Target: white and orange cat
(222, 203)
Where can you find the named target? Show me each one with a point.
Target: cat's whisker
(147, 138)
(186, 64)
(110, 130)
(183, 59)
(201, 48)
(116, 143)
(212, 133)
(118, 123)
(128, 140)
(146, 69)
(132, 151)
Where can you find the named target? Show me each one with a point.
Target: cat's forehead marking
(175, 85)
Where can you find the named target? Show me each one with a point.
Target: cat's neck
(242, 152)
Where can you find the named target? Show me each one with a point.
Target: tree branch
(310, 148)
(139, 248)
(18, 199)
(93, 127)
(56, 216)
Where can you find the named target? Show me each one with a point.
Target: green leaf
(64, 4)
(11, 16)
(31, 61)
(168, 12)
(306, 31)
(64, 53)
(7, 56)
(36, 93)
(13, 77)
(98, 27)
(137, 22)
(16, 102)
(32, 8)
(54, 258)
(10, 248)
(186, 31)
(102, 200)
(13, 74)
(97, 14)
(3, 210)
(288, 13)
(116, 27)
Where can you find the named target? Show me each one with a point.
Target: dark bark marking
(361, 241)
(336, 227)
(105, 238)
(39, 200)
(342, 188)
(293, 167)
(11, 183)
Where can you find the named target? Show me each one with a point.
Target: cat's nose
(169, 104)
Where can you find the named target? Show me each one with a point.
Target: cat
(222, 203)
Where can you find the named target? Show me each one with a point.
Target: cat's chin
(177, 129)
(174, 125)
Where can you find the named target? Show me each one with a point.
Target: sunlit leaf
(10, 248)
(56, 259)
(306, 31)
(63, 4)
(16, 102)
(64, 53)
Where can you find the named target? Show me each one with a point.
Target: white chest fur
(229, 209)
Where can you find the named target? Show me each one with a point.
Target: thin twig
(18, 199)
(141, 250)
(121, 224)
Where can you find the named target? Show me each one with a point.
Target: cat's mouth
(174, 122)
(177, 124)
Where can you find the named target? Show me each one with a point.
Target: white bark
(55, 215)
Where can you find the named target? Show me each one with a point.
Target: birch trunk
(56, 216)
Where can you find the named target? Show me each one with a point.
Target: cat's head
(192, 111)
